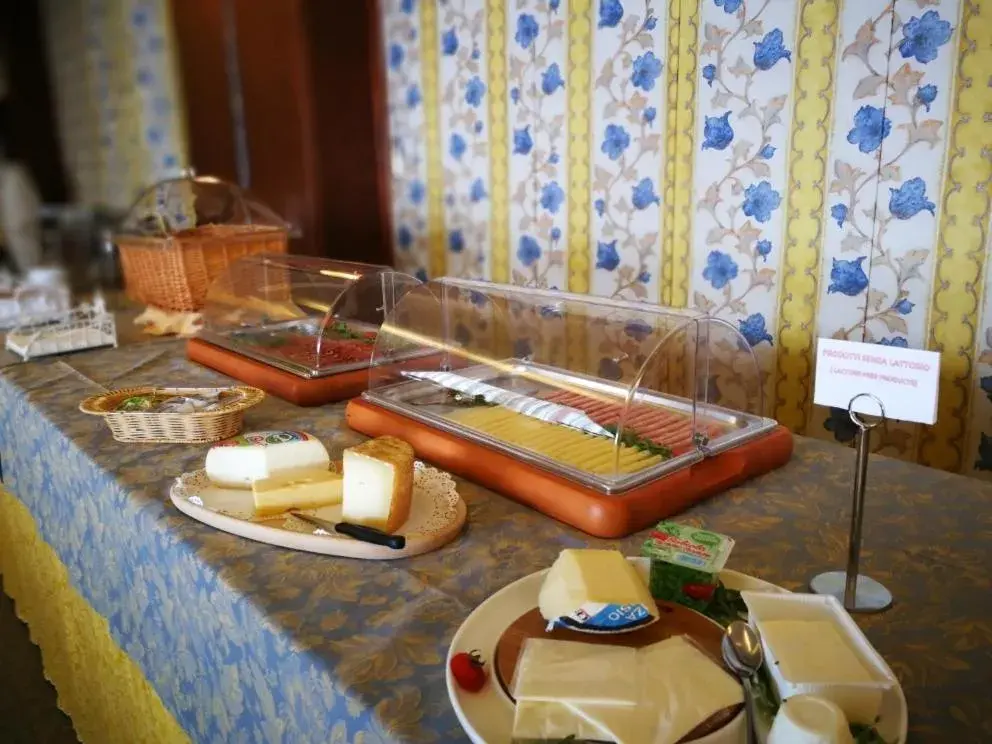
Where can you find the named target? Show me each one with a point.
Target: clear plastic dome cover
(607, 392)
(310, 316)
(178, 205)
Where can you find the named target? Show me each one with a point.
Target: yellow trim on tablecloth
(815, 58)
(99, 686)
(432, 118)
(499, 160)
(579, 73)
(960, 263)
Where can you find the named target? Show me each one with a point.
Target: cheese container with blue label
(595, 591)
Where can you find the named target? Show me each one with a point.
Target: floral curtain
(800, 168)
(117, 97)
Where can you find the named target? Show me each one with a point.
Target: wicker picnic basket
(182, 234)
(185, 428)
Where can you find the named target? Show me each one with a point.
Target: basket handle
(89, 405)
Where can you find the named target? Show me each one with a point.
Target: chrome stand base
(870, 596)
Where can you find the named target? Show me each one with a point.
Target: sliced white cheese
(681, 687)
(552, 721)
(812, 651)
(297, 489)
(240, 461)
(378, 483)
(653, 695)
(595, 587)
(566, 671)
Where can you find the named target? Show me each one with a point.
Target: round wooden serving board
(436, 517)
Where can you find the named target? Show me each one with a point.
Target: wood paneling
(314, 107)
(199, 33)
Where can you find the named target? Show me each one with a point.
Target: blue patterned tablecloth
(245, 642)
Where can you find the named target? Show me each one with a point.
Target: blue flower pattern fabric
(770, 50)
(923, 37)
(753, 329)
(881, 204)
(910, 199)
(407, 139)
(870, 127)
(848, 277)
(717, 132)
(462, 75)
(720, 269)
(629, 102)
(615, 142)
(537, 64)
(760, 200)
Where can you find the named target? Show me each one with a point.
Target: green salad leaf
(631, 438)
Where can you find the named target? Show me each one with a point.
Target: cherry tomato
(469, 670)
(700, 592)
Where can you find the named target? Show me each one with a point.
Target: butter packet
(685, 563)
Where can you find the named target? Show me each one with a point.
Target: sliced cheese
(653, 695)
(567, 671)
(597, 588)
(812, 651)
(681, 687)
(378, 483)
(238, 462)
(552, 721)
(297, 489)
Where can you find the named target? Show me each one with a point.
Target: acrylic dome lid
(178, 205)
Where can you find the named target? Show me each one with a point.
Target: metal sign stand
(858, 592)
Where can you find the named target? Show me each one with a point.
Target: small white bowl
(808, 719)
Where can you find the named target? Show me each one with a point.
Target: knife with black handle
(355, 531)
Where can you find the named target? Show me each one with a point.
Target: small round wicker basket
(186, 428)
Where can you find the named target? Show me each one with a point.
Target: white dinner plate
(437, 515)
(487, 716)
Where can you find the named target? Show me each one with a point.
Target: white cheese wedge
(598, 588)
(812, 651)
(297, 489)
(566, 671)
(240, 461)
(378, 483)
(681, 687)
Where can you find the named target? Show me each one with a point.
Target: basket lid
(178, 205)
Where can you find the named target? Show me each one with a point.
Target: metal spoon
(741, 647)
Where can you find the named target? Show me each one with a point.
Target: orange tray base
(299, 390)
(598, 514)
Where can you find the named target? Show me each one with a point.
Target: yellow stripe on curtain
(499, 157)
(579, 116)
(677, 257)
(812, 91)
(435, 176)
(99, 686)
(961, 245)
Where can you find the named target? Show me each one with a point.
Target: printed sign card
(905, 380)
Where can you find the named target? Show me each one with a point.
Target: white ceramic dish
(487, 716)
(436, 517)
(860, 701)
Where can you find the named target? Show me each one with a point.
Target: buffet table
(157, 628)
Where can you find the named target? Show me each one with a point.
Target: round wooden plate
(437, 516)
(674, 620)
